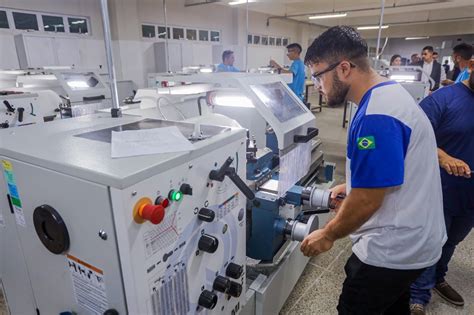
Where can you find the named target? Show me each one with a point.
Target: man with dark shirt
(451, 112)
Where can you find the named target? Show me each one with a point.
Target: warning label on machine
(89, 285)
(13, 191)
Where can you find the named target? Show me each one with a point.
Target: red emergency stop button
(145, 210)
(152, 213)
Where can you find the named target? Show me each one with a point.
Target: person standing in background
(414, 59)
(435, 55)
(446, 67)
(297, 69)
(227, 64)
(451, 112)
(462, 55)
(396, 60)
(431, 68)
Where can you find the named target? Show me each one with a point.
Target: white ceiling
(431, 16)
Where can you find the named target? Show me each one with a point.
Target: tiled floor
(318, 289)
(3, 309)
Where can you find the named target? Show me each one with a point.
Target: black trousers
(370, 290)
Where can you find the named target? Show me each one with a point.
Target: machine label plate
(89, 285)
(13, 191)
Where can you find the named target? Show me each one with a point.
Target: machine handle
(226, 170)
(219, 174)
(310, 134)
(9, 107)
(21, 110)
(235, 178)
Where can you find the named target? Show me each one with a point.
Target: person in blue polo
(297, 69)
(393, 209)
(227, 64)
(451, 112)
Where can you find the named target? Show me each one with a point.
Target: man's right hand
(455, 166)
(335, 191)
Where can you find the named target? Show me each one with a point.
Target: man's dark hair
(429, 48)
(336, 44)
(464, 50)
(226, 54)
(295, 45)
(435, 53)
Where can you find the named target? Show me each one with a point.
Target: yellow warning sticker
(7, 166)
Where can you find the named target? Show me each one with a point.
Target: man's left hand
(316, 243)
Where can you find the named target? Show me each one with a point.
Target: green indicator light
(176, 195)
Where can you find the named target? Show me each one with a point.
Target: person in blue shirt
(451, 112)
(393, 207)
(227, 64)
(297, 69)
(462, 54)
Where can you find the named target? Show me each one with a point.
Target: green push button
(175, 195)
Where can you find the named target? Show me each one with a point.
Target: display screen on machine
(82, 81)
(277, 98)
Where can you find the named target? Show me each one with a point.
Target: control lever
(20, 113)
(9, 107)
(226, 170)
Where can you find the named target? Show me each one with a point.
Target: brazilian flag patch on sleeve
(366, 143)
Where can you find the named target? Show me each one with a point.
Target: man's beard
(338, 93)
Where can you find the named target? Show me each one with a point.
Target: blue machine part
(293, 195)
(265, 240)
(261, 166)
(272, 142)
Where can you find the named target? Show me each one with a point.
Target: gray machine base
(268, 294)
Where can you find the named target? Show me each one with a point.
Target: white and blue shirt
(391, 144)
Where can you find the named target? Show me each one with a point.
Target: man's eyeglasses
(316, 77)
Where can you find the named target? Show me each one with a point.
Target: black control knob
(235, 289)
(208, 243)
(207, 299)
(186, 189)
(111, 311)
(221, 284)
(234, 271)
(206, 214)
(20, 111)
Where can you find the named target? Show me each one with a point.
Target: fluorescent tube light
(327, 16)
(371, 27)
(416, 37)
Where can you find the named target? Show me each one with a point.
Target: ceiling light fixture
(241, 2)
(371, 27)
(327, 16)
(416, 37)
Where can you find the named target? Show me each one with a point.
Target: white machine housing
(410, 77)
(38, 107)
(247, 84)
(135, 268)
(83, 90)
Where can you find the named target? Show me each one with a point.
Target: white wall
(134, 56)
(91, 47)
